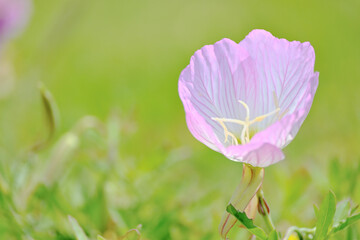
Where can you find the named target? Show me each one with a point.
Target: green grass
(137, 165)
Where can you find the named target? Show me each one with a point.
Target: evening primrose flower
(248, 100)
(14, 15)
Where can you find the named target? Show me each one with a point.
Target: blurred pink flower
(248, 100)
(14, 14)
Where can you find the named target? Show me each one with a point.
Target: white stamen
(247, 110)
(260, 118)
(245, 132)
(234, 141)
(276, 100)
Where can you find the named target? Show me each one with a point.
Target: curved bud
(244, 197)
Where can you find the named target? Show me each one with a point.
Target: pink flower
(248, 100)
(14, 15)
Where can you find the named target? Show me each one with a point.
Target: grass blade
(325, 216)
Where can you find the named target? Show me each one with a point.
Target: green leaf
(348, 221)
(273, 235)
(342, 211)
(351, 234)
(325, 216)
(79, 232)
(316, 210)
(100, 238)
(248, 223)
(353, 210)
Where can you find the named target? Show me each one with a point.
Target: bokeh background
(122, 157)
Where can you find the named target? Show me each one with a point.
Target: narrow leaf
(325, 216)
(353, 210)
(273, 235)
(342, 211)
(248, 223)
(348, 221)
(79, 232)
(316, 210)
(350, 234)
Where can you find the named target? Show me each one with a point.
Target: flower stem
(250, 184)
(265, 211)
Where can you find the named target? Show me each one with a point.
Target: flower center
(245, 133)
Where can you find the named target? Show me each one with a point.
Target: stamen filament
(234, 140)
(230, 120)
(283, 114)
(245, 132)
(276, 100)
(262, 117)
(247, 110)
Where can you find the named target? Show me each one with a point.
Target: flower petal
(196, 123)
(214, 81)
(274, 77)
(282, 132)
(255, 154)
(283, 68)
(14, 14)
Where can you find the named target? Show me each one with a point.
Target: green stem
(266, 215)
(250, 184)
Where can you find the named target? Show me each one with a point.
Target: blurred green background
(136, 165)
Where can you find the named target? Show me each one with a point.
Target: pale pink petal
(213, 82)
(282, 132)
(255, 154)
(264, 72)
(14, 14)
(282, 67)
(196, 123)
